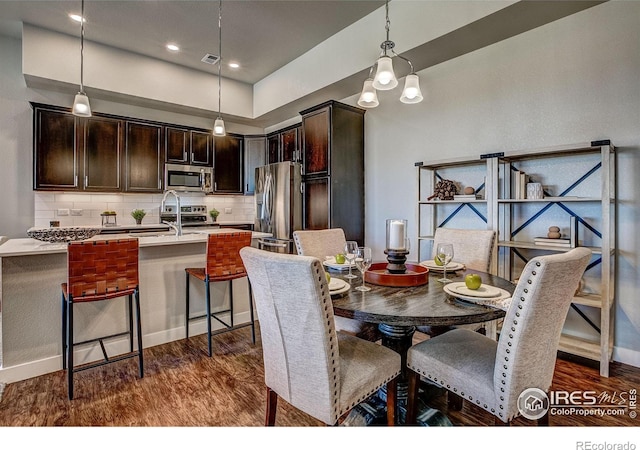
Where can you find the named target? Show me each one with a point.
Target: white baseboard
(93, 353)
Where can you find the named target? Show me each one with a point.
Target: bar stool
(100, 270)
(223, 264)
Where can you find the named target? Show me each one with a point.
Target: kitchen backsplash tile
(47, 206)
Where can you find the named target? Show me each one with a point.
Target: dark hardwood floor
(184, 387)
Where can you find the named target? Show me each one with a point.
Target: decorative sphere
(469, 190)
(554, 229)
(553, 235)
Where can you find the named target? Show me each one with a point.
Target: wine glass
(444, 254)
(363, 262)
(350, 255)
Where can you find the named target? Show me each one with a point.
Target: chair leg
(231, 302)
(208, 304)
(454, 401)
(130, 302)
(70, 347)
(139, 327)
(253, 322)
(64, 332)
(186, 312)
(412, 400)
(392, 401)
(272, 405)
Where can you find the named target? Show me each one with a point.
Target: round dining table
(399, 310)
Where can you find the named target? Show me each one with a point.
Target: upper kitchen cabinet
(144, 159)
(333, 165)
(76, 154)
(55, 150)
(228, 164)
(254, 156)
(284, 144)
(184, 146)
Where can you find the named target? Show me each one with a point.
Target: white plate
(338, 286)
(501, 295)
(433, 267)
(484, 291)
(332, 264)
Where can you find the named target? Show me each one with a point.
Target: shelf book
(553, 242)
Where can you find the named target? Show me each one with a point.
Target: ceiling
(261, 36)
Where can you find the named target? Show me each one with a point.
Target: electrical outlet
(63, 211)
(76, 212)
(227, 210)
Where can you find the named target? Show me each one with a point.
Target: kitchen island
(30, 277)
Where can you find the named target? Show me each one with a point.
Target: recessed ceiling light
(234, 65)
(173, 47)
(76, 17)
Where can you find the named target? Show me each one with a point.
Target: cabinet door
(102, 153)
(315, 144)
(201, 148)
(254, 156)
(55, 150)
(290, 144)
(227, 165)
(273, 148)
(144, 159)
(176, 141)
(316, 204)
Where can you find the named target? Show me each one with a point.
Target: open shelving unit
(579, 184)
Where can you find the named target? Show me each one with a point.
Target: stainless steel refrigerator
(278, 198)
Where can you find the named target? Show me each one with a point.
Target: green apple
(439, 259)
(340, 258)
(473, 281)
(328, 275)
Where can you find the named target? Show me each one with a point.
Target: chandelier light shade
(81, 106)
(369, 96)
(218, 125)
(385, 78)
(411, 92)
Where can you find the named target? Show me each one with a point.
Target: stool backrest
(102, 267)
(223, 255)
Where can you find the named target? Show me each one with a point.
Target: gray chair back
(473, 248)
(320, 243)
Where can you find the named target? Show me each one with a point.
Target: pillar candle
(396, 235)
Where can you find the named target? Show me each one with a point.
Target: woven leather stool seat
(100, 270)
(223, 263)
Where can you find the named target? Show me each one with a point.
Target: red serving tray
(416, 275)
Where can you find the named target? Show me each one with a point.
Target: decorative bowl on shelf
(62, 234)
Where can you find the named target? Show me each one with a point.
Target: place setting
(473, 290)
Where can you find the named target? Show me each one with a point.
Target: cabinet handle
(184, 155)
(86, 180)
(191, 156)
(75, 181)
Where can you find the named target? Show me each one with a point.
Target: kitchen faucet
(177, 225)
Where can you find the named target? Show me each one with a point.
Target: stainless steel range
(189, 214)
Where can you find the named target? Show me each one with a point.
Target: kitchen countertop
(29, 246)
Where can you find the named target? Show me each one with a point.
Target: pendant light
(218, 125)
(385, 78)
(81, 105)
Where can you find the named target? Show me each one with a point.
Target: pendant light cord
(82, 49)
(219, 56)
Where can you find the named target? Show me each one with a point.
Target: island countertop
(29, 246)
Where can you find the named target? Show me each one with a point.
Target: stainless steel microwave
(188, 178)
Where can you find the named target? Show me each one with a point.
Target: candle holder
(396, 246)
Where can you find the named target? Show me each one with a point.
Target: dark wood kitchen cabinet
(76, 154)
(333, 166)
(273, 148)
(228, 164)
(284, 144)
(144, 158)
(254, 156)
(184, 146)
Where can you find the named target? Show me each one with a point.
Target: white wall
(571, 81)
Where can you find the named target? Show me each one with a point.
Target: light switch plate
(227, 210)
(63, 211)
(76, 212)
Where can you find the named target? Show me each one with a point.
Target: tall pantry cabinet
(333, 168)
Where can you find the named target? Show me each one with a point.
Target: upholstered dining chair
(330, 242)
(491, 374)
(474, 249)
(320, 371)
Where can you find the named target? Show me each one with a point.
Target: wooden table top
(428, 304)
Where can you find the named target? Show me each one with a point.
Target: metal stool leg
(139, 323)
(64, 332)
(130, 301)
(208, 302)
(231, 302)
(186, 313)
(70, 347)
(253, 323)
